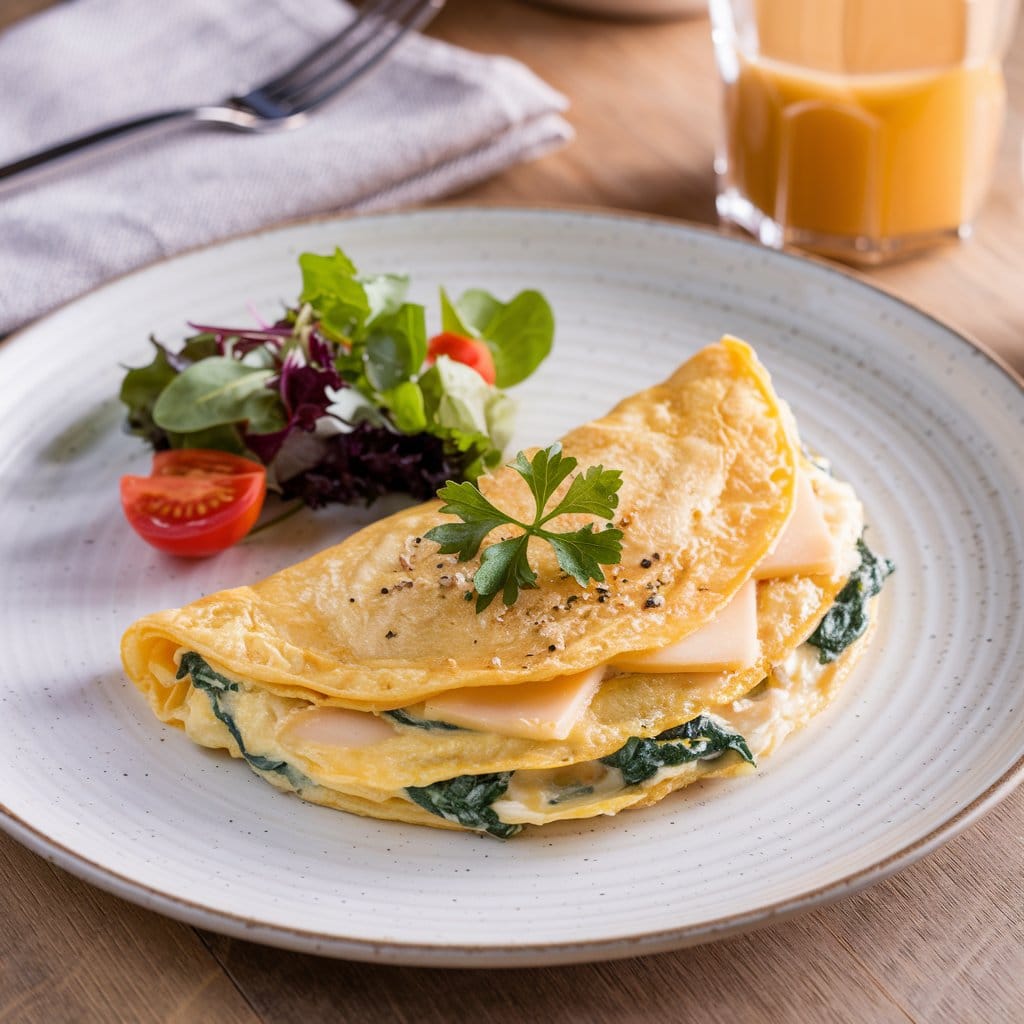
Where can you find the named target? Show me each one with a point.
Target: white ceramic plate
(927, 734)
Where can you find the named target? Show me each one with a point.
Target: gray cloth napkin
(431, 120)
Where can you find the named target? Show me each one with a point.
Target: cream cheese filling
(772, 711)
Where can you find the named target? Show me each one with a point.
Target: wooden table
(941, 941)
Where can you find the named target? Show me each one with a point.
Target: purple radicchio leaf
(370, 461)
(246, 339)
(321, 351)
(303, 391)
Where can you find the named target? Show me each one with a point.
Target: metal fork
(286, 101)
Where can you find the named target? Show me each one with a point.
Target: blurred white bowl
(644, 9)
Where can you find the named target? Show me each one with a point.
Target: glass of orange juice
(863, 129)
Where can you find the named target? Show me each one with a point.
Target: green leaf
(467, 800)
(520, 336)
(504, 567)
(476, 309)
(320, 274)
(500, 418)
(385, 362)
(468, 502)
(700, 739)
(402, 717)
(463, 411)
(544, 472)
(203, 677)
(519, 333)
(199, 346)
(343, 312)
(395, 347)
(330, 286)
(219, 688)
(217, 391)
(140, 390)
(479, 518)
(460, 538)
(594, 492)
(451, 320)
(847, 619)
(225, 438)
(143, 385)
(385, 293)
(582, 553)
(455, 396)
(405, 402)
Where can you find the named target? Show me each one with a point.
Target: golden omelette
(361, 678)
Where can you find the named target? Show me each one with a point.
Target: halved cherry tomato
(473, 353)
(196, 502)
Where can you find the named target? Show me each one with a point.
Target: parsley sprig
(505, 566)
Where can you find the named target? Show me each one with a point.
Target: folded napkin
(431, 120)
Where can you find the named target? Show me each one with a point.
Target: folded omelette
(363, 680)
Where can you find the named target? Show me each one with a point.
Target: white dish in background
(926, 735)
(631, 9)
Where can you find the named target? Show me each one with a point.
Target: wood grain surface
(941, 941)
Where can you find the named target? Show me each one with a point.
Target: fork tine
(285, 78)
(361, 58)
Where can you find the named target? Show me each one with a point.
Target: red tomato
(196, 502)
(473, 353)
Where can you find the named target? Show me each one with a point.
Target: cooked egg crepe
(330, 680)
(709, 478)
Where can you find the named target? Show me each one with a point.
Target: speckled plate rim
(524, 955)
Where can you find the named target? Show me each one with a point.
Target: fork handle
(17, 173)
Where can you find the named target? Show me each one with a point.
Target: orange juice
(861, 127)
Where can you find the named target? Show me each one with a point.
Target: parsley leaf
(581, 554)
(505, 566)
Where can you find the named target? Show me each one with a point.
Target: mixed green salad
(346, 397)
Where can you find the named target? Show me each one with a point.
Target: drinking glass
(863, 129)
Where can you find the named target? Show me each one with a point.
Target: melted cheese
(726, 643)
(333, 727)
(544, 710)
(806, 546)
